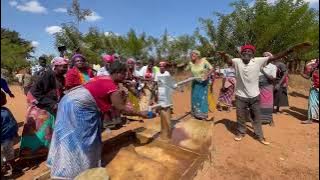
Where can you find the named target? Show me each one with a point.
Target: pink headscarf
(58, 61)
(108, 58)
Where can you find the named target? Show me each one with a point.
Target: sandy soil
(293, 153)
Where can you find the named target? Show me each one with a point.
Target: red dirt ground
(293, 153)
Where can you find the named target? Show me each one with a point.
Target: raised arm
(290, 50)
(225, 56)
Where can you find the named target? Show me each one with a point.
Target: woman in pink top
(76, 142)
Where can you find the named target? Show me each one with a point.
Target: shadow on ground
(298, 113)
(232, 127)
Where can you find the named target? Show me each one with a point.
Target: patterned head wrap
(58, 61)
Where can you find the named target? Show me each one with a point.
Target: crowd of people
(69, 103)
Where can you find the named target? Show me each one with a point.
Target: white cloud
(312, 1)
(271, 1)
(53, 29)
(61, 10)
(111, 33)
(13, 3)
(107, 33)
(32, 6)
(35, 43)
(93, 17)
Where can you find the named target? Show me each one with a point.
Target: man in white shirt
(247, 87)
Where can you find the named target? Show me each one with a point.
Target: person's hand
(205, 77)
(144, 114)
(11, 95)
(277, 87)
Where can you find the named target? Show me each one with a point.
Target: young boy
(163, 90)
(9, 134)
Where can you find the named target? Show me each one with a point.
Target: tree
(270, 27)
(78, 13)
(14, 50)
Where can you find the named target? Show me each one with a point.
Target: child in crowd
(164, 91)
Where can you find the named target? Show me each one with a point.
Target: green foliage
(14, 50)
(270, 27)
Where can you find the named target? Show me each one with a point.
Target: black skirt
(280, 97)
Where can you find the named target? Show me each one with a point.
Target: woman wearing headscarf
(267, 76)
(313, 106)
(107, 61)
(200, 68)
(79, 73)
(42, 100)
(76, 143)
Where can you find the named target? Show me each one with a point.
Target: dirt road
(293, 153)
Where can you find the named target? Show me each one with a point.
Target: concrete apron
(146, 153)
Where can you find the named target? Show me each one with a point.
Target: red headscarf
(248, 46)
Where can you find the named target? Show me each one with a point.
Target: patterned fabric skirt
(76, 142)
(313, 107)
(266, 103)
(225, 97)
(37, 131)
(133, 103)
(147, 96)
(199, 99)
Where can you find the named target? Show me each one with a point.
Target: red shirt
(73, 78)
(101, 88)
